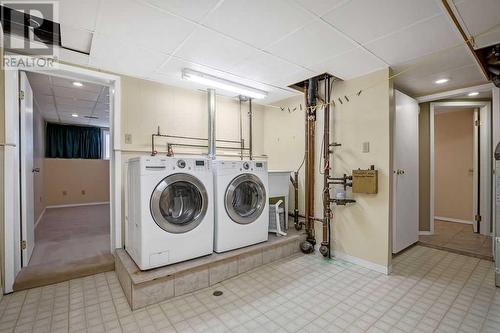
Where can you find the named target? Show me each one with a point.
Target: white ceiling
(271, 44)
(58, 99)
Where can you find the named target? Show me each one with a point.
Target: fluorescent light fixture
(77, 84)
(74, 115)
(441, 81)
(474, 93)
(216, 82)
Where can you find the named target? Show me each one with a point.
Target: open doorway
(460, 186)
(65, 179)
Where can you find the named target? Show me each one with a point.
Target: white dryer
(241, 204)
(170, 210)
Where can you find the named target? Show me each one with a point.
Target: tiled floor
(460, 238)
(429, 291)
(71, 234)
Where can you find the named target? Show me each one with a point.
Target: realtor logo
(30, 33)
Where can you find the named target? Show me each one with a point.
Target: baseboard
(425, 233)
(363, 263)
(40, 217)
(81, 204)
(450, 219)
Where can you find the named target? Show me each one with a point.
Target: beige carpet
(70, 242)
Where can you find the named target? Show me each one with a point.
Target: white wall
(361, 230)
(147, 105)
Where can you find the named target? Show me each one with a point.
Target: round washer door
(245, 198)
(179, 203)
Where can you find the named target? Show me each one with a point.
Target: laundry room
(262, 166)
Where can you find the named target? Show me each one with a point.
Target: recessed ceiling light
(441, 81)
(474, 93)
(77, 84)
(74, 115)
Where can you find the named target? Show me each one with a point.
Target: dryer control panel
(189, 164)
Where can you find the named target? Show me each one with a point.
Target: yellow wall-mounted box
(365, 181)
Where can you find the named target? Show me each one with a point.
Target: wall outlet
(128, 139)
(366, 147)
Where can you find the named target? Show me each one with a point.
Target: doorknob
(36, 170)
(400, 172)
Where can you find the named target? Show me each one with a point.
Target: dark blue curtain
(68, 141)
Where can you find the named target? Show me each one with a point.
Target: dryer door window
(245, 199)
(179, 203)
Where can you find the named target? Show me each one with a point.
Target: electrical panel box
(365, 181)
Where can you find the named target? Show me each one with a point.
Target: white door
(405, 173)
(26, 156)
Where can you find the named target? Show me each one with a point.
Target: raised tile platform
(143, 288)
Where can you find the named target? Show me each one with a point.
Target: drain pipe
(211, 123)
(310, 93)
(325, 244)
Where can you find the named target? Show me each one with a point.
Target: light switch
(128, 139)
(366, 147)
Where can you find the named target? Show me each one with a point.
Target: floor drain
(217, 293)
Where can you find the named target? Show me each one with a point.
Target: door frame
(485, 156)
(11, 198)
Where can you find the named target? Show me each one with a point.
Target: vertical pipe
(241, 131)
(296, 200)
(250, 116)
(211, 123)
(307, 179)
(325, 249)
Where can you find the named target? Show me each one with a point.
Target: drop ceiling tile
(74, 93)
(42, 99)
(365, 21)
(104, 97)
(432, 64)
(321, 7)
(62, 82)
(214, 50)
(79, 14)
(141, 25)
(102, 107)
(70, 109)
(479, 17)
(312, 44)
(295, 77)
(76, 39)
(75, 102)
(416, 41)
(193, 9)
(264, 67)
(459, 78)
(41, 89)
(112, 55)
(258, 22)
(73, 57)
(68, 120)
(47, 107)
(351, 64)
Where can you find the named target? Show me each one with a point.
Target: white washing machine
(241, 204)
(170, 210)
